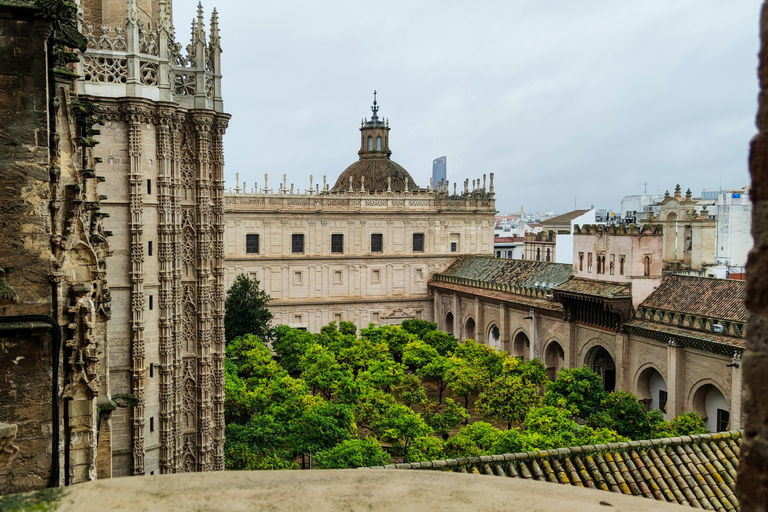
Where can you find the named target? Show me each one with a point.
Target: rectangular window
(376, 318)
(298, 278)
(149, 186)
(151, 302)
(377, 242)
(252, 244)
(418, 274)
(152, 424)
(337, 244)
(418, 242)
(337, 317)
(581, 262)
(151, 370)
(376, 276)
(337, 277)
(663, 401)
(297, 244)
(297, 319)
(454, 246)
(149, 248)
(723, 418)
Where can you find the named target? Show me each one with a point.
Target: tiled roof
(508, 239)
(664, 333)
(515, 273)
(596, 288)
(701, 296)
(565, 218)
(532, 301)
(698, 471)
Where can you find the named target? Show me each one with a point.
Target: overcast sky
(567, 102)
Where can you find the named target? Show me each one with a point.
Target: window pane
(418, 242)
(252, 244)
(297, 244)
(454, 246)
(378, 143)
(337, 243)
(376, 242)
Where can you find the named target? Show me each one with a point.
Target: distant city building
(634, 207)
(555, 241)
(438, 171)
(733, 237)
(510, 247)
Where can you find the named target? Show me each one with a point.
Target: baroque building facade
(112, 285)
(362, 250)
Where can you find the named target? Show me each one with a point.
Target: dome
(375, 171)
(381, 174)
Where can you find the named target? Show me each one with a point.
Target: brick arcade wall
(752, 484)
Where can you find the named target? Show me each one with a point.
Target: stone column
(675, 379)
(479, 323)
(504, 340)
(736, 396)
(438, 310)
(457, 331)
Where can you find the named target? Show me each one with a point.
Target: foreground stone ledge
(340, 490)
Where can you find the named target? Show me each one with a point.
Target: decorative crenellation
(137, 53)
(716, 326)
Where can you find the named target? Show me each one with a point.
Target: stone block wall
(752, 483)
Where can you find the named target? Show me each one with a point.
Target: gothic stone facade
(105, 381)
(162, 155)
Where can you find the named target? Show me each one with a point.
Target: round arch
(651, 388)
(521, 345)
(449, 323)
(554, 358)
(470, 329)
(493, 335)
(602, 362)
(707, 398)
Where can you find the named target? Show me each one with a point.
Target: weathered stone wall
(25, 358)
(24, 176)
(753, 472)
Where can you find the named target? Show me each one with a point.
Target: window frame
(297, 237)
(420, 237)
(377, 247)
(337, 243)
(249, 237)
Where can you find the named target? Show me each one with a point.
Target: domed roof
(375, 171)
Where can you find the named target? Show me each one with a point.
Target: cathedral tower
(162, 161)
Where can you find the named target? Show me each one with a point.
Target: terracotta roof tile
(697, 471)
(515, 273)
(701, 296)
(564, 218)
(596, 288)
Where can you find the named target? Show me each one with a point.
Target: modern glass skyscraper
(438, 171)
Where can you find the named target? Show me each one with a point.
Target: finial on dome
(375, 107)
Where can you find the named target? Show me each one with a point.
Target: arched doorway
(449, 323)
(601, 362)
(469, 329)
(652, 390)
(554, 359)
(494, 336)
(713, 407)
(521, 346)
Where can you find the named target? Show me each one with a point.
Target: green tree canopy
(352, 453)
(246, 310)
(513, 393)
(579, 389)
